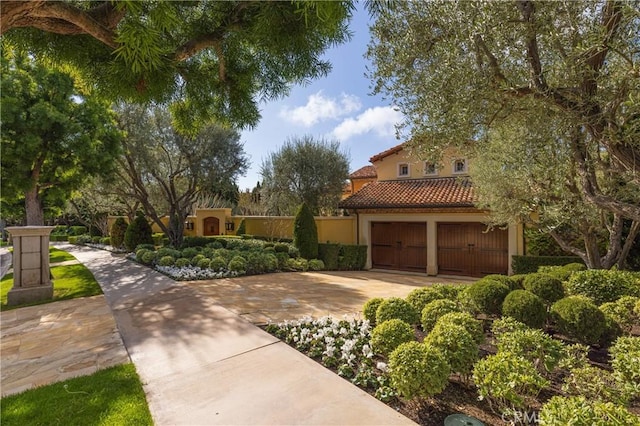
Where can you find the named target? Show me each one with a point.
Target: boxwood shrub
(579, 318)
(395, 307)
(370, 308)
(457, 345)
(418, 370)
(547, 287)
(530, 264)
(577, 410)
(525, 307)
(217, 263)
(601, 285)
(472, 325)
(420, 297)
(434, 310)
(166, 261)
(388, 335)
(487, 296)
(329, 254)
(352, 257)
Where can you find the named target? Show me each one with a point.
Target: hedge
(530, 264)
(352, 257)
(329, 253)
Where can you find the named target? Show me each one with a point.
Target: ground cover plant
(469, 355)
(113, 396)
(69, 281)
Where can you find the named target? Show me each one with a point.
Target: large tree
(305, 170)
(53, 137)
(465, 73)
(214, 59)
(161, 164)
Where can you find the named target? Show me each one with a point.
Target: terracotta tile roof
(412, 193)
(387, 153)
(365, 172)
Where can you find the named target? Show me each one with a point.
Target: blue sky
(338, 107)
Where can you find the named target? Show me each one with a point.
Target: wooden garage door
(399, 245)
(466, 249)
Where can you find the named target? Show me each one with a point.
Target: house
(358, 179)
(419, 216)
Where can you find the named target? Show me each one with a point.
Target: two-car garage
(462, 248)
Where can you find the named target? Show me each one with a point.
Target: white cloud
(319, 108)
(380, 120)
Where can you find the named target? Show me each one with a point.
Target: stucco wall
(387, 168)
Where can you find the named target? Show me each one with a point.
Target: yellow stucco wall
(387, 168)
(332, 229)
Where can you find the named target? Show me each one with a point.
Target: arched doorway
(211, 226)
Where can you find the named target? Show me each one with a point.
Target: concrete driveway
(288, 296)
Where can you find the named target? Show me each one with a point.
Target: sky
(336, 107)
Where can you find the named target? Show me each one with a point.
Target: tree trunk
(33, 207)
(176, 228)
(629, 242)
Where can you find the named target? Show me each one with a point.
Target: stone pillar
(31, 275)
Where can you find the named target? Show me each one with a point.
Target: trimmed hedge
(329, 254)
(529, 264)
(305, 233)
(352, 257)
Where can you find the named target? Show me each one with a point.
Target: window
(460, 166)
(403, 169)
(430, 169)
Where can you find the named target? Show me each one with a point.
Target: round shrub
(395, 307)
(282, 259)
(625, 353)
(601, 285)
(145, 246)
(487, 296)
(545, 286)
(450, 291)
(316, 265)
(518, 281)
(621, 312)
(456, 344)
(140, 253)
(117, 231)
(297, 264)
(105, 240)
(419, 297)
(189, 252)
(281, 248)
(387, 336)
(182, 262)
(579, 318)
(507, 325)
(418, 370)
(217, 263)
(472, 325)
(502, 279)
(166, 261)
(576, 410)
(534, 345)
(196, 259)
(167, 251)
(138, 232)
(370, 308)
(148, 257)
(238, 264)
(595, 383)
(434, 310)
(525, 307)
(203, 263)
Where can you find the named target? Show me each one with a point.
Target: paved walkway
(201, 363)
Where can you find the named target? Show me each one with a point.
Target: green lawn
(113, 396)
(69, 281)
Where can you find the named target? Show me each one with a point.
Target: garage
(467, 249)
(399, 246)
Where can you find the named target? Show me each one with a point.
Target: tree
(138, 232)
(305, 232)
(53, 136)
(161, 164)
(305, 170)
(566, 73)
(215, 59)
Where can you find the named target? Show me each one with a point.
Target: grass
(113, 396)
(69, 281)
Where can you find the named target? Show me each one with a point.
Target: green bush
(387, 336)
(238, 264)
(601, 285)
(82, 239)
(105, 240)
(95, 239)
(487, 296)
(456, 344)
(281, 248)
(158, 238)
(282, 259)
(316, 265)
(525, 307)
(329, 253)
(576, 410)
(166, 261)
(182, 262)
(189, 253)
(145, 246)
(395, 307)
(298, 264)
(509, 380)
(595, 384)
(77, 230)
(195, 241)
(418, 370)
(167, 251)
(203, 263)
(621, 312)
(507, 325)
(305, 233)
(138, 232)
(472, 325)
(370, 308)
(578, 318)
(513, 285)
(420, 297)
(530, 264)
(625, 359)
(218, 263)
(352, 257)
(261, 262)
(536, 346)
(434, 310)
(518, 280)
(545, 286)
(141, 252)
(242, 228)
(562, 272)
(117, 232)
(148, 257)
(196, 259)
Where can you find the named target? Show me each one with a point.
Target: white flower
(382, 366)
(366, 351)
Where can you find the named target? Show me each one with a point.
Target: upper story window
(403, 169)
(460, 166)
(430, 169)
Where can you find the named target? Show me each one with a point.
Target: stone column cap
(29, 230)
